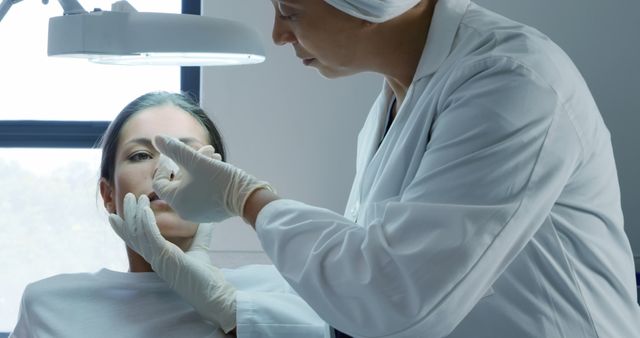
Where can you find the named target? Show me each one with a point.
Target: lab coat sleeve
(267, 306)
(501, 149)
(276, 315)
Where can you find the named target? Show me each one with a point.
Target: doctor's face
(321, 36)
(136, 160)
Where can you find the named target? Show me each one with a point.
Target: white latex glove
(204, 189)
(198, 282)
(199, 248)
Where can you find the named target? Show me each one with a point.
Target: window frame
(83, 134)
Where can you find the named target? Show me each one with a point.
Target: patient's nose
(167, 165)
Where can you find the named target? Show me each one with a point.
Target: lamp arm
(71, 7)
(5, 5)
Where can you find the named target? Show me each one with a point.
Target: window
(52, 112)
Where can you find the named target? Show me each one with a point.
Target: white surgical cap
(373, 10)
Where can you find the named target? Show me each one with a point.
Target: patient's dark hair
(109, 141)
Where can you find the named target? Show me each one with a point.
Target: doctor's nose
(281, 33)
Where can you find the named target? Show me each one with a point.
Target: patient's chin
(172, 226)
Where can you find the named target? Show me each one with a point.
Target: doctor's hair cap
(373, 10)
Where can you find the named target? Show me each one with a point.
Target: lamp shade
(153, 38)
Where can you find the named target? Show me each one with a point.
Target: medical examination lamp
(126, 36)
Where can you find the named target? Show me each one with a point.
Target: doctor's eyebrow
(291, 3)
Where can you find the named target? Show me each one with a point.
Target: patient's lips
(153, 196)
(156, 202)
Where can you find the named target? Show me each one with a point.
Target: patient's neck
(137, 263)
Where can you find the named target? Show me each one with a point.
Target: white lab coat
(490, 209)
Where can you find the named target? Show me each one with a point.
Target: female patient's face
(136, 160)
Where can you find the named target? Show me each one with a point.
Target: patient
(138, 303)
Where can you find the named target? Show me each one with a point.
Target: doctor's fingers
(148, 227)
(167, 169)
(127, 232)
(210, 152)
(130, 206)
(117, 224)
(202, 238)
(181, 153)
(132, 213)
(199, 249)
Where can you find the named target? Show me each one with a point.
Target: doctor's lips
(305, 60)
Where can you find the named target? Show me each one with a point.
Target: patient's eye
(140, 156)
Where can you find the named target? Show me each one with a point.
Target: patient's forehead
(164, 120)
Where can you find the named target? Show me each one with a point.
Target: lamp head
(126, 36)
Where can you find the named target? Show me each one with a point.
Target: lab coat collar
(446, 18)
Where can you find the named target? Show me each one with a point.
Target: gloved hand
(205, 189)
(198, 282)
(199, 248)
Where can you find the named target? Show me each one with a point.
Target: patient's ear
(107, 192)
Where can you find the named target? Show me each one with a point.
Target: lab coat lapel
(368, 141)
(447, 17)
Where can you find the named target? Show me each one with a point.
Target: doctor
(486, 201)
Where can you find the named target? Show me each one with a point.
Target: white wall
(286, 124)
